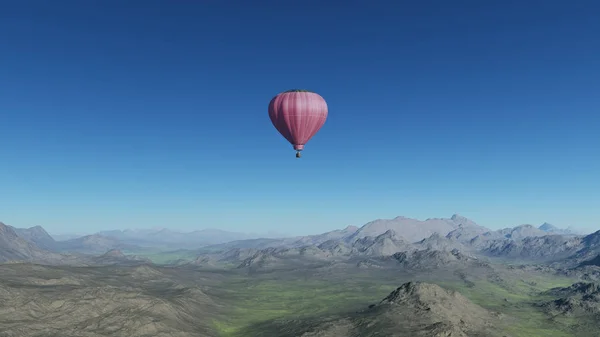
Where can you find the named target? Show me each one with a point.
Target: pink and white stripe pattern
(298, 115)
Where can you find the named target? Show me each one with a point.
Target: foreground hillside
(340, 299)
(101, 301)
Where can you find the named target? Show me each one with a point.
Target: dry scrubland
(316, 301)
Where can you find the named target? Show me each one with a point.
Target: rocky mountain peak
(415, 291)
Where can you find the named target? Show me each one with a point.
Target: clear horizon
(120, 115)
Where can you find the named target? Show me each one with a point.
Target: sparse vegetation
(263, 298)
(330, 285)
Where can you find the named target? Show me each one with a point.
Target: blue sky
(135, 114)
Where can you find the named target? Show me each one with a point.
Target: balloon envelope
(298, 115)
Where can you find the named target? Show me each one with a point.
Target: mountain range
(382, 237)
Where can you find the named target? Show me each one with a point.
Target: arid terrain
(397, 277)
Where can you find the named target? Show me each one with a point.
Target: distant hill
(14, 248)
(115, 256)
(37, 235)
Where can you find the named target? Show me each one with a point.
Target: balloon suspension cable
(298, 154)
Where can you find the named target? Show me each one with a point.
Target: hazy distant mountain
(94, 244)
(129, 238)
(454, 232)
(386, 244)
(64, 237)
(160, 238)
(89, 244)
(246, 244)
(172, 239)
(290, 242)
(457, 233)
(15, 248)
(457, 228)
(38, 236)
(414, 230)
(382, 237)
(546, 227)
(338, 234)
(520, 232)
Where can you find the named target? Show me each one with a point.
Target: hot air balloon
(298, 115)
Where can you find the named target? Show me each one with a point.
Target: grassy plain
(253, 300)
